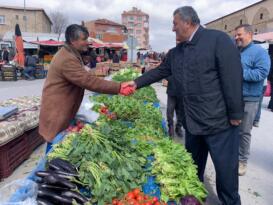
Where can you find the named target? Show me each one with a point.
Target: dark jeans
(224, 151)
(173, 105)
(258, 115)
(29, 72)
(270, 105)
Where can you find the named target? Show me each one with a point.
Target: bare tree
(59, 21)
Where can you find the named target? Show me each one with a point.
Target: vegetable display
(109, 157)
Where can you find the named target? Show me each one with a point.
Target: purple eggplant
(189, 200)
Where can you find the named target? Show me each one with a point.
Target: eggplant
(62, 165)
(189, 200)
(45, 193)
(75, 195)
(56, 180)
(52, 187)
(57, 173)
(41, 201)
(67, 174)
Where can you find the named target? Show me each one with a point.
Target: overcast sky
(161, 36)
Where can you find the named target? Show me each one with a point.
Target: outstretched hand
(127, 88)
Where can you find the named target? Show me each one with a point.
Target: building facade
(137, 23)
(259, 15)
(33, 20)
(106, 30)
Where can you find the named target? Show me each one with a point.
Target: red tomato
(74, 129)
(115, 202)
(136, 192)
(146, 197)
(155, 199)
(130, 195)
(140, 198)
(157, 203)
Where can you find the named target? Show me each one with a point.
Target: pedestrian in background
(5, 55)
(256, 65)
(270, 78)
(30, 65)
(173, 106)
(116, 58)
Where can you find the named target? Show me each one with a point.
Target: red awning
(48, 43)
(97, 45)
(114, 45)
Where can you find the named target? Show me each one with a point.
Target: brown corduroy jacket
(64, 89)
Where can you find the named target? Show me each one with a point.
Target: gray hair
(187, 14)
(74, 31)
(247, 27)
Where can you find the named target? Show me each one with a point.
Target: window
(24, 18)
(2, 19)
(225, 27)
(241, 22)
(130, 31)
(139, 18)
(139, 25)
(16, 17)
(99, 36)
(261, 16)
(111, 30)
(256, 31)
(131, 18)
(138, 31)
(131, 24)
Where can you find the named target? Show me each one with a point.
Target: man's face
(242, 37)
(81, 44)
(181, 28)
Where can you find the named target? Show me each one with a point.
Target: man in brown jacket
(67, 79)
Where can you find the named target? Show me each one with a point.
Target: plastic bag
(85, 112)
(268, 90)
(19, 192)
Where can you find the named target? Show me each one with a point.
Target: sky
(161, 36)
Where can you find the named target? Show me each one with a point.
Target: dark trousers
(29, 72)
(224, 150)
(270, 105)
(173, 105)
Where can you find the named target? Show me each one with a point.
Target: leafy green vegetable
(175, 171)
(105, 167)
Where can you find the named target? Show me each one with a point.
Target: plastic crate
(9, 73)
(40, 74)
(13, 154)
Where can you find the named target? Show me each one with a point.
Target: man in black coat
(208, 76)
(173, 105)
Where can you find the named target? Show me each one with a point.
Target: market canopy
(264, 37)
(48, 43)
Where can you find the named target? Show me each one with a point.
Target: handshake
(127, 88)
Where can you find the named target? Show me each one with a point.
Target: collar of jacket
(74, 52)
(196, 36)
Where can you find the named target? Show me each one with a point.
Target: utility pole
(25, 16)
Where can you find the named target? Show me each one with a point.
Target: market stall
(18, 133)
(123, 157)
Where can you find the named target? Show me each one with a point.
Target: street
(256, 187)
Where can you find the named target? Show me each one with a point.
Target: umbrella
(19, 57)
